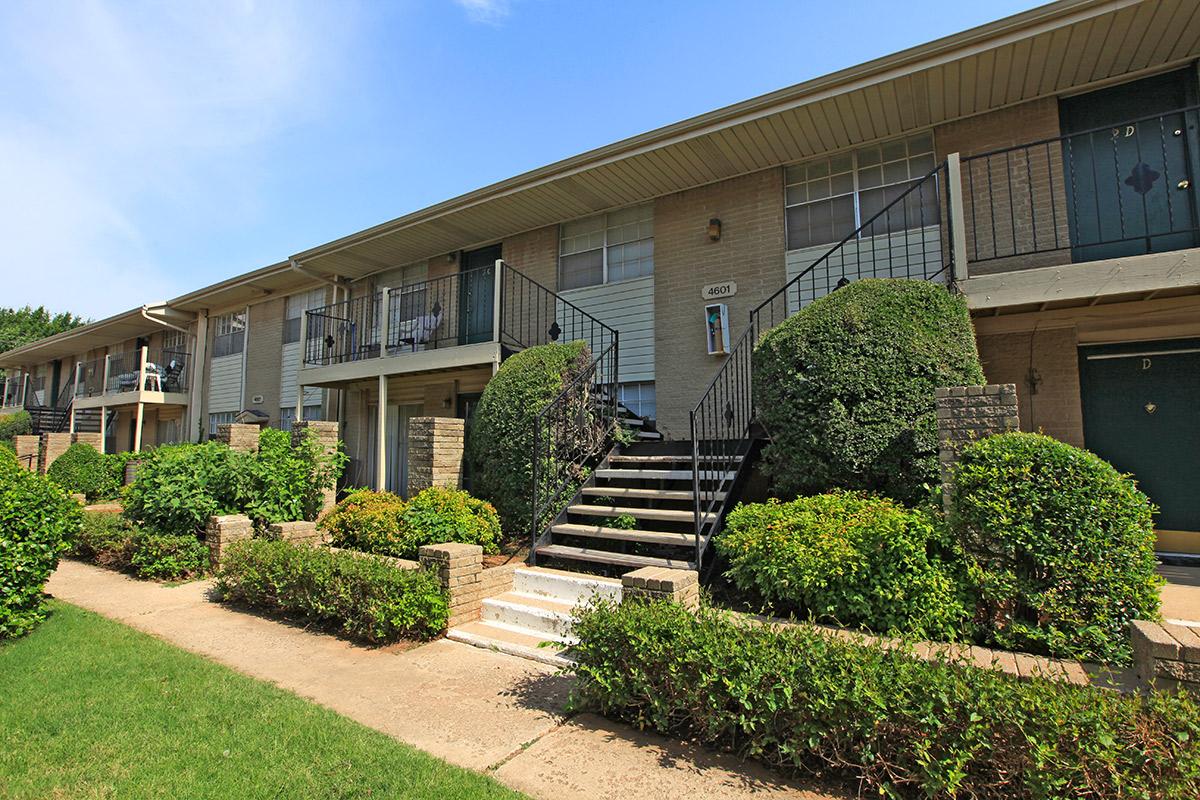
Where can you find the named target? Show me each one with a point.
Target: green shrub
(845, 388)
(384, 524)
(501, 440)
(802, 700)
(19, 423)
(285, 483)
(846, 558)
(157, 556)
(1060, 546)
(115, 463)
(36, 519)
(180, 486)
(364, 597)
(105, 539)
(82, 469)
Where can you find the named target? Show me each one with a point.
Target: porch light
(714, 230)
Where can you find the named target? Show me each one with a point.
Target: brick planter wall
(52, 446)
(435, 453)
(224, 531)
(658, 583)
(239, 436)
(968, 413)
(1166, 655)
(93, 438)
(296, 532)
(459, 568)
(28, 447)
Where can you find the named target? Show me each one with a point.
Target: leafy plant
(1060, 546)
(364, 597)
(36, 519)
(845, 388)
(898, 726)
(82, 469)
(18, 423)
(180, 486)
(382, 523)
(365, 520)
(501, 441)
(105, 539)
(159, 556)
(283, 482)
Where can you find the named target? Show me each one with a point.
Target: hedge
(895, 725)
(110, 541)
(82, 469)
(18, 423)
(849, 559)
(1060, 547)
(36, 517)
(500, 442)
(365, 598)
(845, 388)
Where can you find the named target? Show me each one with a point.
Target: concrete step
(564, 587)
(587, 554)
(649, 436)
(658, 514)
(662, 474)
(548, 618)
(512, 641)
(626, 535)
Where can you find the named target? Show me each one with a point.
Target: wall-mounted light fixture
(714, 230)
(451, 258)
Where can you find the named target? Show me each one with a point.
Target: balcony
(148, 375)
(468, 318)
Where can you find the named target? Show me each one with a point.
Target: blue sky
(149, 148)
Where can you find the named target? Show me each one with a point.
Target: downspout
(164, 323)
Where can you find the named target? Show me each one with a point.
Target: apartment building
(1045, 165)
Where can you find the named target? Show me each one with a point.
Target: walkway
(474, 708)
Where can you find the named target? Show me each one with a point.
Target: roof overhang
(111, 330)
(281, 278)
(1057, 48)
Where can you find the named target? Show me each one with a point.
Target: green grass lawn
(92, 709)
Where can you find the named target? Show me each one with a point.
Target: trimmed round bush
(37, 518)
(1059, 546)
(845, 388)
(167, 558)
(384, 524)
(849, 559)
(501, 442)
(82, 469)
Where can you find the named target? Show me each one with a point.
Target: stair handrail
(729, 395)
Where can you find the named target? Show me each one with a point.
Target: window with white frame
(219, 418)
(606, 248)
(294, 308)
(639, 397)
(829, 198)
(229, 334)
(174, 341)
(287, 415)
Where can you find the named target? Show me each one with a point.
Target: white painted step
(512, 641)
(564, 587)
(609, 557)
(548, 618)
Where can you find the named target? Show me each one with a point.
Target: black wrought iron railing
(1117, 190)
(902, 240)
(342, 332)
(91, 379)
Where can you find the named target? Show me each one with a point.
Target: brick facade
(52, 446)
(296, 532)
(28, 446)
(534, 254)
(750, 252)
(264, 344)
(459, 569)
(435, 453)
(238, 436)
(327, 436)
(968, 413)
(1054, 406)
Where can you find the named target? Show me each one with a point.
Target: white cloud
(113, 116)
(489, 12)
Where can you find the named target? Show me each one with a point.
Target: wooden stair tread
(661, 514)
(669, 459)
(625, 535)
(663, 474)
(609, 557)
(647, 494)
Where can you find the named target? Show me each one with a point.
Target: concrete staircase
(536, 610)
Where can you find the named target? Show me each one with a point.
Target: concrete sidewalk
(474, 708)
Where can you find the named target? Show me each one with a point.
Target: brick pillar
(659, 583)
(224, 531)
(52, 446)
(327, 435)
(94, 439)
(1166, 655)
(131, 470)
(968, 413)
(28, 447)
(239, 436)
(459, 568)
(296, 532)
(435, 453)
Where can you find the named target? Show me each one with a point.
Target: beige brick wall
(263, 358)
(966, 414)
(435, 453)
(1055, 407)
(1026, 208)
(751, 252)
(535, 255)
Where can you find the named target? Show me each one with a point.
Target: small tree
(845, 388)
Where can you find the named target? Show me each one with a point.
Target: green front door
(477, 291)
(1128, 160)
(1141, 412)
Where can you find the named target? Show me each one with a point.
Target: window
(174, 341)
(607, 248)
(294, 309)
(219, 418)
(639, 398)
(830, 198)
(287, 415)
(229, 334)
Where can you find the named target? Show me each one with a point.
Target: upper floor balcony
(468, 318)
(146, 375)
